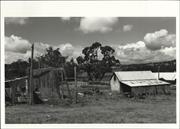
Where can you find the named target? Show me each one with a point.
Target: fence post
(13, 93)
(75, 84)
(61, 86)
(31, 76)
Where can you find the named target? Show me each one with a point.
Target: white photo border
(91, 9)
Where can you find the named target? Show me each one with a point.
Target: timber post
(31, 87)
(75, 79)
(61, 87)
(13, 93)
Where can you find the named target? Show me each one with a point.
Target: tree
(90, 53)
(80, 59)
(52, 58)
(69, 68)
(35, 63)
(16, 69)
(109, 59)
(93, 65)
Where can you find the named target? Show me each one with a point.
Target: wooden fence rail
(16, 79)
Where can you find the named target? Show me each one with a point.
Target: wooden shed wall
(48, 83)
(150, 90)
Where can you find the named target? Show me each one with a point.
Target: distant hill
(166, 66)
(19, 68)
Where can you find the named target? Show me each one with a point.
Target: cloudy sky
(135, 39)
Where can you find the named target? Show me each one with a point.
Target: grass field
(98, 109)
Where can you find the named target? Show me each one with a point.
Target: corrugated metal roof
(166, 75)
(139, 83)
(134, 75)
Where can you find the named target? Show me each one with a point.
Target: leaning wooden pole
(158, 72)
(31, 87)
(75, 79)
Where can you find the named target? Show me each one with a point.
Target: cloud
(97, 24)
(11, 57)
(139, 53)
(127, 28)
(14, 56)
(17, 44)
(159, 39)
(65, 18)
(132, 52)
(16, 20)
(133, 46)
(18, 48)
(41, 47)
(171, 51)
(150, 37)
(66, 49)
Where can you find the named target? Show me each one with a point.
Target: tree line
(96, 61)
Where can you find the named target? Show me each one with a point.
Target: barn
(137, 83)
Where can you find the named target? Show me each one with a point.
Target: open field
(99, 109)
